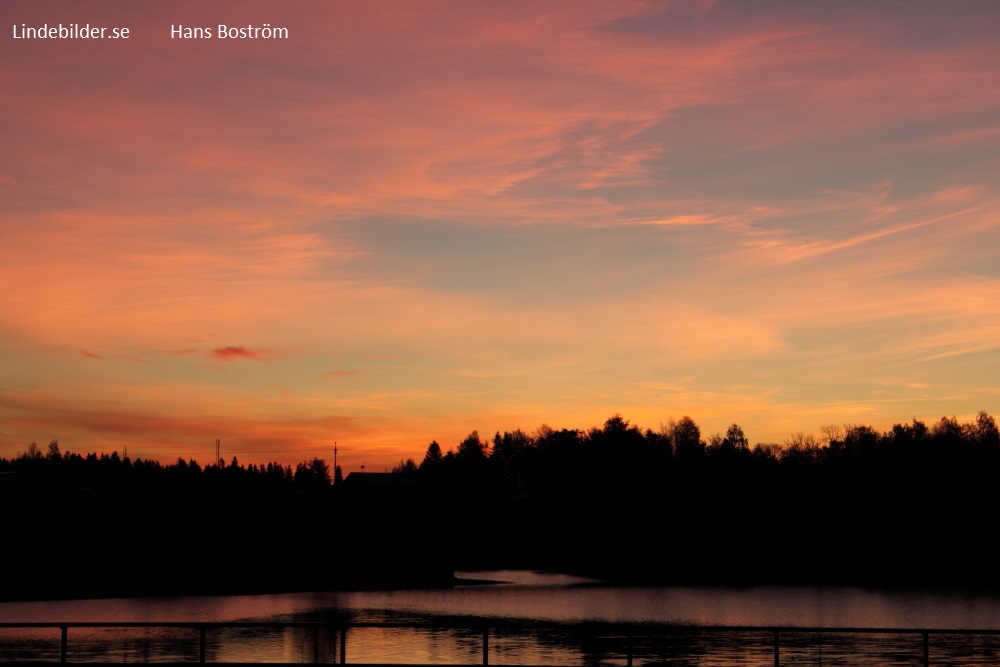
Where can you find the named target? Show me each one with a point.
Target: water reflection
(544, 611)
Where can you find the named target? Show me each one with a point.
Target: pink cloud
(234, 353)
(90, 355)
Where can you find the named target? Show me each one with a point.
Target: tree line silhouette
(521, 461)
(115, 473)
(910, 506)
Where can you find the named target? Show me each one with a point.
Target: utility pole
(335, 463)
(218, 455)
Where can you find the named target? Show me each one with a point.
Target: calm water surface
(559, 600)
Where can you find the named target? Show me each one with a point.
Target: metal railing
(623, 635)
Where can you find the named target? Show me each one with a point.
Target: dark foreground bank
(416, 536)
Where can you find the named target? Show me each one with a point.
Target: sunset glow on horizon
(408, 221)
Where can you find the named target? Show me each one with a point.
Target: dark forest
(912, 506)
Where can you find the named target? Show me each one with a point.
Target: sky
(411, 220)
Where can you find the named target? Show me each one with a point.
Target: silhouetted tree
(615, 455)
(736, 439)
(859, 444)
(948, 430)
(832, 433)
(433, 457)
(686, 438)
(509, 454)
(472, 448)
(800, 449)
(405, 467)
(985, 431)
(616, 424)
(314, 474)
(766, 452)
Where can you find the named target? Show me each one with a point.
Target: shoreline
(166, 591)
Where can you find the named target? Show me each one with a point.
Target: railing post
(777, 661)
(486, 646)
(927, 658)
(201, 644)
(343, 645)
(628, 648)
(63, 642)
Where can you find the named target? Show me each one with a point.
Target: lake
(529, 599)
